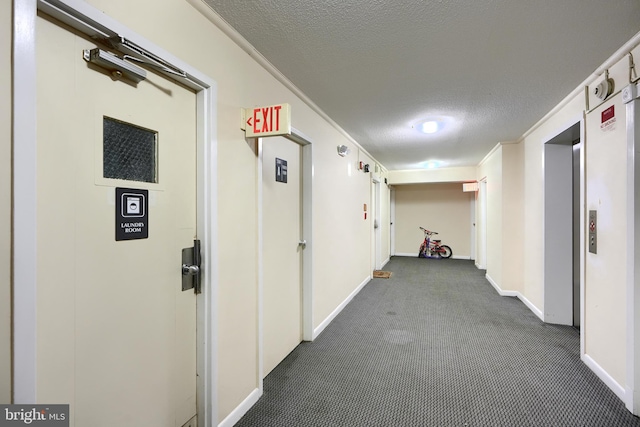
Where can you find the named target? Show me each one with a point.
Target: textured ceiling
(489, 69)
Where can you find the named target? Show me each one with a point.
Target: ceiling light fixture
(430, 126)
(431, 164)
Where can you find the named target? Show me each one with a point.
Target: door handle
(191, 271)
(302, 243)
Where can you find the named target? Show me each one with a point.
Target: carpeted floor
(434, 345)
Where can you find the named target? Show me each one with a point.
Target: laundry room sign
(132, 214)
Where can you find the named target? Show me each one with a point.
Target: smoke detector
(343, 150)
(603, 89)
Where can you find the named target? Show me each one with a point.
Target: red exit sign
(267, 121)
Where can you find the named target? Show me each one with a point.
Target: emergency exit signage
(267, 121)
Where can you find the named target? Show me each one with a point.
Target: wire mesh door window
(129, 152)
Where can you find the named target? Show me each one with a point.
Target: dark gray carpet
(435, 345)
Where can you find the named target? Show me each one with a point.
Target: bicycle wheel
(446, 251)
(421, 253)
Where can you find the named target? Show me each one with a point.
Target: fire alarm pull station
(593, 232)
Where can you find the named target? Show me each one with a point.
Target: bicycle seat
(437, 241)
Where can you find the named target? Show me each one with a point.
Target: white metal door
(481, 260)
(282, 251)
(377, 225)
(116, 333)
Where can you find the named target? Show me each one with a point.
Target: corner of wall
(513, 216)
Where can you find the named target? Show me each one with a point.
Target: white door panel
(282, 254)
(116, 334)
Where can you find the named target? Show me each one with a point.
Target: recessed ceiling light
(431, 164)
(431, 126)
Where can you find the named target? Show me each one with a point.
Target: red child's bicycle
(432, 248)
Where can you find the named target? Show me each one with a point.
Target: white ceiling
(491, 68)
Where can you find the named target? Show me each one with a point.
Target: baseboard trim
(317, 331)
(241, 409)
(516, 294)
(605, 377)
(531, 306)
(498, 289)
(405, 254)
(629, 399)
(386, 261)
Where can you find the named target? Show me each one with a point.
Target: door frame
(632, 397)
(557, 294)
(376, 214)
(481, 221)
(472, 214)
(392, 221)
(306, 173)
(91, 21)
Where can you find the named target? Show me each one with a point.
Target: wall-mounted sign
(281, 170)
(132, 214)
(608, 119)
(266, 121)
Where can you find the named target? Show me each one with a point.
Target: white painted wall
(438, 207)
(5, 201)
(604, 329)
(432, 175)
(513, 225)
(533, 207)
(491, 170)
(342, 237)
(605, 284)
(501, 250)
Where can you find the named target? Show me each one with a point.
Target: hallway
(434, 345)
